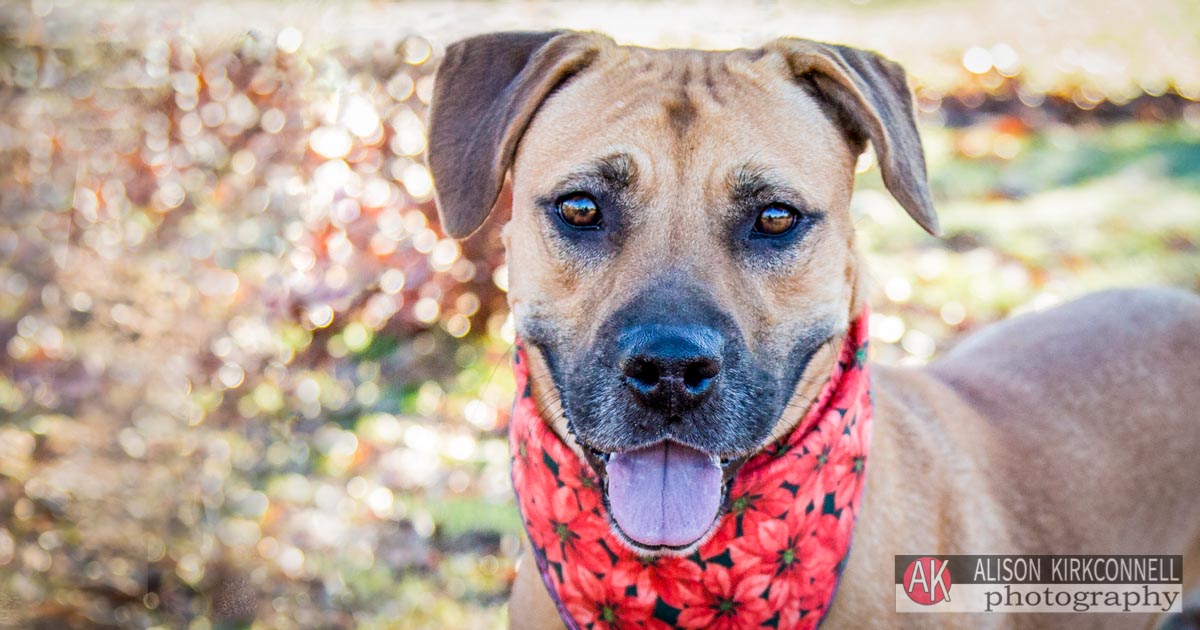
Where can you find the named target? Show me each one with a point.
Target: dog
(696, 202)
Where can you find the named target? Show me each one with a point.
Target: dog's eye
(579, 210)
(776, 220)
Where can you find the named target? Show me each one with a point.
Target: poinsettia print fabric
(777, 552)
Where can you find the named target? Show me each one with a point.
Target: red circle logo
(927, 581)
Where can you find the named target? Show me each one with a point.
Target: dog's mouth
(666, 497)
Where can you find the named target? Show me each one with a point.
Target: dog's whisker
(504, 358)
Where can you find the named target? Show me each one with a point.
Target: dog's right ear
(484, 95)
(871, 97)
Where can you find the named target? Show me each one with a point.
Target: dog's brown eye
(775, 220)
(579, 211)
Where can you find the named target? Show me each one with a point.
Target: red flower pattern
(730, 598)
(673, 582)
(603, 604)
(775, 557)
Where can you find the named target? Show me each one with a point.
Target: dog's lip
(597, 458)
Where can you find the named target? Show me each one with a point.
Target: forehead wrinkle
(677, 82)
(712, 81)
(681, 110)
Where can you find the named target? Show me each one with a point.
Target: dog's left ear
(484, 95)
(870, 97)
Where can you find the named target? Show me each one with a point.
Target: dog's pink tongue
(667, 494)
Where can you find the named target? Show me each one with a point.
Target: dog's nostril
(698, 374)
(655, 376)
(670, 368)
(643, 372)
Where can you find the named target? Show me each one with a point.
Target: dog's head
(680, 246)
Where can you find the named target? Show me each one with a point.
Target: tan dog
(705, 194)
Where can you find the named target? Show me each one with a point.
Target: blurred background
(245, 381)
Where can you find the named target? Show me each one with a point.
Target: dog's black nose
(670, 368)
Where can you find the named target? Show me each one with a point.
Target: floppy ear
(871, 100)
(484, 95)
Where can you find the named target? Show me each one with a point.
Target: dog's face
(675, 263)
(680, 244)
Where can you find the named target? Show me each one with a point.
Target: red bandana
(776, 554)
